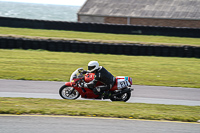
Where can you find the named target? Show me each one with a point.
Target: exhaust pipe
(126, 90)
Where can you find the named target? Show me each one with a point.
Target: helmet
(92, 66)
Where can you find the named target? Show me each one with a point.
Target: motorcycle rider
(102, 75)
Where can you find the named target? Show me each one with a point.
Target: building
(169, 13)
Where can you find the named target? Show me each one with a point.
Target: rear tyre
(67, 92)
(122, 97)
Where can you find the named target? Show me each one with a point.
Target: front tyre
(67, 92)
(122, 97)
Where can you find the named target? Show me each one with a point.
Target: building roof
(174, 9)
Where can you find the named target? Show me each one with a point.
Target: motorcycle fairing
(86, 92)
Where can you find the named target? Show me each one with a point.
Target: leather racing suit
(104, 77)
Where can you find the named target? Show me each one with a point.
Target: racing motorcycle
(120, 91)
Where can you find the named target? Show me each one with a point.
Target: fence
(97, 27)
(97, 47)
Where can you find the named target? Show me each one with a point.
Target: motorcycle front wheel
(67, 92)
(122, 97)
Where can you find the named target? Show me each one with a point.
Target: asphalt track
(141, 94)
(53, 124)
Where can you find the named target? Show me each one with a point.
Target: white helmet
(92, 66)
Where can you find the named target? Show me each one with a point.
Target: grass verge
(58, 66)
(99, 108)
(102, 37)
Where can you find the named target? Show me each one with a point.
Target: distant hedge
(99, 27)
(97, 47)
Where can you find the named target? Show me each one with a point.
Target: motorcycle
(73, 89)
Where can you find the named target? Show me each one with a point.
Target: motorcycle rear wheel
(67, 92)
(123, 97)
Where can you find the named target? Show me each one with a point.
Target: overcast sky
(58, 2)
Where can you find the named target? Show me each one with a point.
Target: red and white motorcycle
(121, 90)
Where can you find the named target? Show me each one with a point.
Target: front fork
(72, 91)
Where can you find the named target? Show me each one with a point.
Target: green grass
(99, 108)
(89, 36)
(58, 66)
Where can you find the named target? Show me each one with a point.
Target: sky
(58, 2)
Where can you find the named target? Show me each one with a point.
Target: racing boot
(106, 94)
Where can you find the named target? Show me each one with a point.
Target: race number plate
(122, 83)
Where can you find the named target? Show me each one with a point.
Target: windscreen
(75, 74)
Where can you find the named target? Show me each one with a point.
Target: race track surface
(60, 124)
(52, 124)
(141, 94)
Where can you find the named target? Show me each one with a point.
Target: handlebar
(77, 82)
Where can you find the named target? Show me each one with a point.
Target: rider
(102, 75)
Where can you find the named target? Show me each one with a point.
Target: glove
(84, 72)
